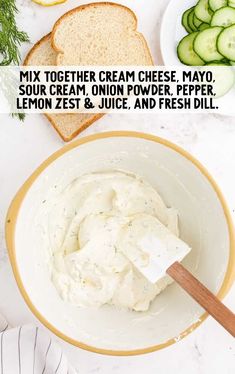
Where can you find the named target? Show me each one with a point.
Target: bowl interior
(202, 224)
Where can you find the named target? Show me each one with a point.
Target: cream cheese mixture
(88, 265)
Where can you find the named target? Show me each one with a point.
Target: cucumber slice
(224, 77)
(205, 44)
(231, 3)
(197, 22)
(202, 11)
(226, 43)
(186, 52)
(190, 20)
(185, 20)
(217, 4)
(203, 26)
(217, 63)
(224, 17)
(224, 61)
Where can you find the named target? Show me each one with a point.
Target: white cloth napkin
(28, 350)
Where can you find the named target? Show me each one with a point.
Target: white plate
(172, 32)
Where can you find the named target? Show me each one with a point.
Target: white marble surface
(208, 137)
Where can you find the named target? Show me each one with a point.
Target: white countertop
(211, 138)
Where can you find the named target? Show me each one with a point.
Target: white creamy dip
(88, 264)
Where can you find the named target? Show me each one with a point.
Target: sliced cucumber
(224, 77)
(226, 43)
(203, 26)
(190, 20)
(205, 44)
(231, 3)
(202, 11)
(185, 20)
(186, 52)
(224, 17)
(217, 63)
(224, 61)
(197, 22)
(217, 4)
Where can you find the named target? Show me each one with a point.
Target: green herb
(20, 116)
(10, 38)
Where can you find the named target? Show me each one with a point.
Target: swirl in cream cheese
(89, 268)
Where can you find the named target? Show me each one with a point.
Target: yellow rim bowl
(12, 219)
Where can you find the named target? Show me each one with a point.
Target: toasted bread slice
(67, 125)
(99, 34)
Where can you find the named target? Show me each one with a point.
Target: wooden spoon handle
(203, 296)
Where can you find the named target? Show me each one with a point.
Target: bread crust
(81, 7)
(86, 123)
(35, 47)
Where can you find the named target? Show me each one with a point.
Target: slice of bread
(99, 34)
(92, 34)
(67, 125)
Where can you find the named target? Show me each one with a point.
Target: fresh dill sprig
(20, 116)
(10, 38)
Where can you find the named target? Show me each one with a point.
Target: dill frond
(20, 116)
(10, 38)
